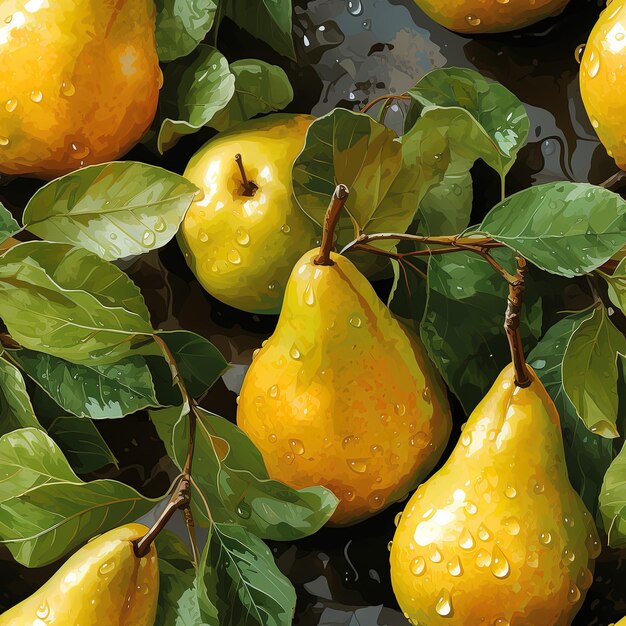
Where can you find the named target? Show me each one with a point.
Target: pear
(341, 396)
(601, 78)
(497, 536)
(103, 584)
(245, 232)
(80, 82)
(489, 16)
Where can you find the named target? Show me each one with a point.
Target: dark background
(350, 51)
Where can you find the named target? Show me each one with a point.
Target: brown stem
(616, 182)
(6, 341)
(512, 324)
(331, 218)
(249, 186)
(386, 97)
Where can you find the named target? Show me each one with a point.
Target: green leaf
(488, 117)
(114, 210)
(91, 390)
(613, 501)
(70, 303)
(268, 20)
(178, 603)
(198, 361)
(564, 228)
(195, 89)
(235, 482)
(181, 25)
(259, 88)
(16, 410)
(590, 372)
(463, 286)
(617, 285)
(387, 177)
(240, 579)
(45, 509)
(8, 225)
(588, 456)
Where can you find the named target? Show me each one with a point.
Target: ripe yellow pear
(341, 396)
(242, 237)
(80, 82)
(602, 77)
(498, 536)
(489, 16)
(103, 584)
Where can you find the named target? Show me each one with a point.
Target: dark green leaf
(8, 225)
(181, 25)
(617, 286)
(471, 354)
(198, 361)
(70, 303)
(588, 456)
(565, 228)
(45, 509)
(195, 89)
(16, 410)
(235, 483)
(114, 210)
(240, 579)
(613, 501)
(269, 20)
(590, 372)
(259, 88)
(490, 115)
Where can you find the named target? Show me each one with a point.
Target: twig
(512, 324)
(615, 182)
(391, 96)
(331, 218)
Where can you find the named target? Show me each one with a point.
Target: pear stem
(512, 324)
(249, 186)
(386, 98)
(331, 218)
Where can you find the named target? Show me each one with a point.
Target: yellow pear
(602, 75)
(103, 584)
(489, 16)
(80, 82)
(341, 396)
(246, 231)
(498, 536)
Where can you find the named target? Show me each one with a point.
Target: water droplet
(203, 237)
(502, 621)
(234, 257)
(366, 24)
(444, 604)
(43, 611)
(272, 392)
(107, 567)
(397, 518)
(483, 533)
(376, 450)
(538, 487)
(595, 123)
(36, 96)
(483, 559)
(512, 526)
(376, 500)
(160, 225)
(243, 510)
(8, 19)
(466, 541)
(585, 578)
(594, 547)
(500, 567)
(350, 495)
(471, 508)
(4, 141)
(272, 438)
(573, 595)
(242, 237)
(355, 7)
(568, 555)
(426, 396)
(11, 105)
(466, 439)
(418, 566)
(510, 492)
(289, 458)
(385, 419)
(297, 446)
(568, 521)
(78, 150)
(399, 409)
(285, 228)
(294, 353)
(67, 88)
(355, 321)
(472, 20)
(545, 538)
(273, 286)
(578, 53)
(358, 465)
(434, 554)
(455, 568)
(148, 239)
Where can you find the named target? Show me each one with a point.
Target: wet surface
(351, 51)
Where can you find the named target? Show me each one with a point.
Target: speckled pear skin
(242, 249)
(489, 16)
(497, 536)
(103, 584)
(602, 74)
(340, 395)
(80, 82)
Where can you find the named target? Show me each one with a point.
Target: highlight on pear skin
(312, 313)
